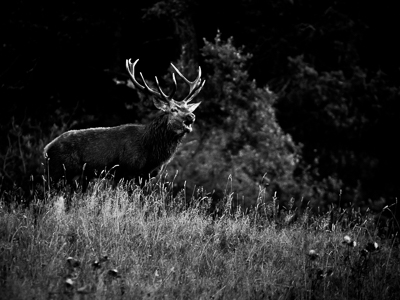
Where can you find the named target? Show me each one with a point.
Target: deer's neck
(160, 140)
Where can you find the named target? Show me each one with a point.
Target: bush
(237, 135)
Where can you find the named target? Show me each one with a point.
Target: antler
(194, 86)
(160, 94)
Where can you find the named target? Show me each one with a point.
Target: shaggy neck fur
(160, 139)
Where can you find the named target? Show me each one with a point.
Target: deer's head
(180, 113)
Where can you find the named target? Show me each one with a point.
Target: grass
(115, 244)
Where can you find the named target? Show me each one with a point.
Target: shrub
(237, 134)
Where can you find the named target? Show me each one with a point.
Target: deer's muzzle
(188, 121)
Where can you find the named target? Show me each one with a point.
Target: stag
(130, 150)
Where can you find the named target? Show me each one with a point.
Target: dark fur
(138, 150)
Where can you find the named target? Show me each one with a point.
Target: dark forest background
(301, 97)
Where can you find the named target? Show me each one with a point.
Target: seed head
(69, 282)
(96, 264)
(312, 254)
(113, 272)
(371, 247)
(348, 241)
(72, 262)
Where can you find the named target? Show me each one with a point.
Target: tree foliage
(346, 124)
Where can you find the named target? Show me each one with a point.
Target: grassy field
(112, 244)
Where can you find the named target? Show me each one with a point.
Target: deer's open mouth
(188, 126)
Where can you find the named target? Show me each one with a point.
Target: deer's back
(98, 148)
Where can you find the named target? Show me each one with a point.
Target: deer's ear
(160, 104)
(192, 107)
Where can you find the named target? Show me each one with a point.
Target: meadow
(133, 243)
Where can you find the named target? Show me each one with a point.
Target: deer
(131, 151)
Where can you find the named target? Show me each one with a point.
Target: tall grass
(129, 243)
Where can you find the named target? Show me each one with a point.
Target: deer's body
(130, 150)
